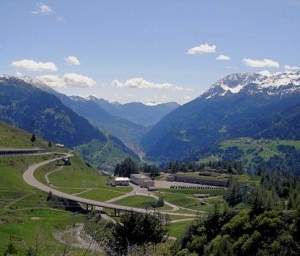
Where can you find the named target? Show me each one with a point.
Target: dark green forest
(259, 220)
(261, 217)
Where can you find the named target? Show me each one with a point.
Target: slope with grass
(40, 112)
(27, 221)
(25, 213)
(274, 153)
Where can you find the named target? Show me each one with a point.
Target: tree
(33, 139)
(256, 200)
(159, 203)
(221, 246)
(11, 249)
(136, 229)
(127, 167)
(234, 193)
(151, 169)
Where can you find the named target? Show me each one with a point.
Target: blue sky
(146, 50)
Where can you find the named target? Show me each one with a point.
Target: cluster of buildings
(138, 179)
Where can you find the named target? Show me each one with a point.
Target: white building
(118, 181)
(141, 180)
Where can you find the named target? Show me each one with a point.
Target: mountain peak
(29, 80)
(253, 83)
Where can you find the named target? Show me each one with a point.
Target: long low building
(16, 152)
(194, 180)
(122, 181)
(118, 181)
(142, 180)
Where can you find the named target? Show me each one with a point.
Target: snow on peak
(287, 82)
(4, 76)
(280, 79)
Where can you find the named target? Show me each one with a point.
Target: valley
(150, 128)
(228, 155)
(28, 206)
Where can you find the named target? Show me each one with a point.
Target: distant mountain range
(40, 112)
(243, 104)
(239, 105)
(137, 112)
(129, 122)
(89, 125)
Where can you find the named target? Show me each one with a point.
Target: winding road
(29, 178)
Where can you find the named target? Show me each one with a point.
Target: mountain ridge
(129, 121)
(190, 131)
(40, 112)
(255, 83)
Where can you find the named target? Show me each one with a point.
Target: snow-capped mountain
(255, 83)
(239, 105)
(29, 80)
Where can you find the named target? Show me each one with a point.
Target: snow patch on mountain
(33, 81)
(253, 83)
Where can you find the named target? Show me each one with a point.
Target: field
(184, 198)
(250, 149)
(263, 147)
(79, 178)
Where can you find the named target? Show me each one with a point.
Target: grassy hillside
(35, 110)
(12, 137)
(275, 154)
(27, 221)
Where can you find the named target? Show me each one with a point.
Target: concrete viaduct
(29, 178)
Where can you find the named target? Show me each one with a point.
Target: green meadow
(27, 221)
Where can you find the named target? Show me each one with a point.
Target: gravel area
(78, 238)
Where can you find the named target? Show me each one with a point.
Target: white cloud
(72, 60)
(261, 63)
(223, 57)
(68, 80)
(287, 67)
(34, 65)
(42, 9)
(116, 83)
(202, 48)
(140, 83)
(73, 79)
(52, 81)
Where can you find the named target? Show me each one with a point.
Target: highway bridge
(29, 178)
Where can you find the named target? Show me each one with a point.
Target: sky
(149, 51)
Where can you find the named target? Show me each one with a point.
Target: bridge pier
(117, 213)
(89, 207)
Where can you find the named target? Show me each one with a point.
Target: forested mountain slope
(130, 133)
(42, 113)
(238, 105)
